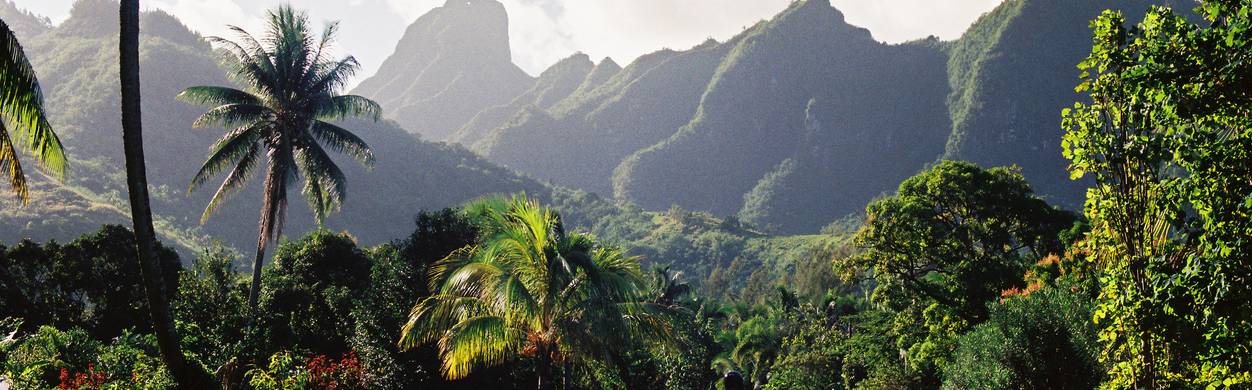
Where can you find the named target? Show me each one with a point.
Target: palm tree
(756, 345)
(21, 111)
(186, 375)
(530, 288)
(668, 287)
(284, 114)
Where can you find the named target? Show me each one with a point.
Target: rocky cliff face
(451, 64)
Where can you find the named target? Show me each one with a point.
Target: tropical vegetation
(283, 118)
(930, 273)
(24, 125)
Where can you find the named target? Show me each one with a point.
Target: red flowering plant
(327, 374)
(89, 380)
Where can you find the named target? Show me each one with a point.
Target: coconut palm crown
(23, 123)
(531, 289)
(283, 115)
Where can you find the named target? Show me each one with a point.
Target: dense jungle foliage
(831, 244)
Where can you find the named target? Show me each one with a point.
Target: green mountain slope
(77, 65)
(23, 23)
(877, 101)
(555, 84)
(1011, 74)
(452, 63)
(598, 127)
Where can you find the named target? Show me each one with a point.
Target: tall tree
(283, 114)
(956, 235)
(141, 213)
(951, 240)
(1167, 134)
(532, 289)
(22, 115)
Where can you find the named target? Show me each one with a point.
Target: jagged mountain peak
(578, 59)
(451, 63)
(609, 62)
(554, 84)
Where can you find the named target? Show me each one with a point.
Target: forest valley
(933, 266)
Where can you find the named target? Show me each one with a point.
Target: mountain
(23, 23)
(803, 118)
(553, 85)
(875, 114)
(796, 122)
(643, 104)
(77, 65)
(452, 63)
(792, 124)
(1012, 73)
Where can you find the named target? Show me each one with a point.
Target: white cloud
(626, 29)
(412, 9)
(904, 20)
(209, 17)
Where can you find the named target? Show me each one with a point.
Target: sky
(544, 31)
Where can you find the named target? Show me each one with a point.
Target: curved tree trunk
(273, 210)
(255, 290)
(141, 214)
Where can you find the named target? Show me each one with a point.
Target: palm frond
(12, 167)
(342, 141)
(325, 184)
(331, 76)
(327, 40)
(432, 316)
(477, 342)
(21, 105)
(234, 146)
(253, 68)
(244, 167)
(233, 115)
(217, 96)
(348, 106)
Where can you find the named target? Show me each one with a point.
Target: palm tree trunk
(271, 208)
(254, 291)
(141, 214)
(544, 369)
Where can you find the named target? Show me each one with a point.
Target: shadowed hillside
(752, 117)
(555, 84)
(77, 65)
(1012, 73)
(643, 104)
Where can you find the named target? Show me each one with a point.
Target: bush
(811, 357)
(310, 291)
(1045, 340)
(90, 283)
(286, 371)
(211, 308)
(72, 360)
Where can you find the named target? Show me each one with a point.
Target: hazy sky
(544, 31)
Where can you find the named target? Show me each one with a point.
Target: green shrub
(309, 293)
(1045, 340)
(89, 283)
(209, 308)
(283, 372)
(51, 358)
